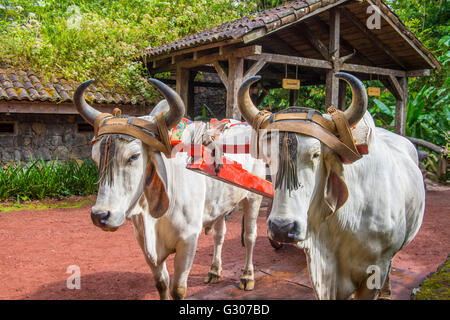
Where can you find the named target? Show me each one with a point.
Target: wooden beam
(235, 78)
(190, 50)
(439, 150)
(322, 64)
(227, 53)
(332, 82)
(196, 83)
(370, 36)
(358, 68)
(324, 28)
(400, 108)
(255, 68)
(222, 74)
(418, 73)
(278, 44)
(315, 41)
(296, 61)
(396, 88)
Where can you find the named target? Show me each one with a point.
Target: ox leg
(365, 293)
(386, 292)
(215, 271)
(184, 257)
(250, 207)
(161, 277)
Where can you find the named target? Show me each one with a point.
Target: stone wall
(48, 137)
(214, 98)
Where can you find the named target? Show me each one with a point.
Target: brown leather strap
(134, 132)
(163, 131)
(259, 119)
(343, 129)
(141, 129)
(316, 131)
(98, 122)
(325, 123)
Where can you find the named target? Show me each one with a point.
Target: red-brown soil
(36, 247)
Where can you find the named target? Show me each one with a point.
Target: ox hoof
(179, 293)
(385, 297)
(212, 278)
(246, 284)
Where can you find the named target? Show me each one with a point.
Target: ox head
(306, 172)
(128, 167)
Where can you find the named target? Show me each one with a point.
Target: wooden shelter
(310, 39)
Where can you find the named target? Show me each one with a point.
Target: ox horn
(358, 108)
(86, 111)
(246, 106)
(176, 104)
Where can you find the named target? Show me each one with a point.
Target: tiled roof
(20, 85)
(270, 19)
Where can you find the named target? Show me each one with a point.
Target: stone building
(38, 118)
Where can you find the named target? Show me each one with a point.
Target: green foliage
(99, 38)
(40, 179)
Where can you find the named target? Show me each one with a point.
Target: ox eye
(133, 157)
(316, 155)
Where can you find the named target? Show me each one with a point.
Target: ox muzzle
(100, 219)
(283, 230)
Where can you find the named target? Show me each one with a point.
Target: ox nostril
(284, 230)
(100, 217)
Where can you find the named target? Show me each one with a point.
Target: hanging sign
(373, 91)
(292, 84)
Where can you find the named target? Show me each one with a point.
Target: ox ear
(335, 192)
(155, 189)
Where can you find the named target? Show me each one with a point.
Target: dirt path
(36, 247)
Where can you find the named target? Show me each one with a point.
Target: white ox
(349, 243)
(167, 203)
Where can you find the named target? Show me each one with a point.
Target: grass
(38, 179)
(436, 286)
(9, 207)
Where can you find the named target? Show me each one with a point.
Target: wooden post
(235, 78)
(332, 83)
(293, 98)
(182, 86)
(342, 95)
(400, 108)
(190, 107)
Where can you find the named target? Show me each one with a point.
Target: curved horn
(176, 104)
(86, 111)
(246, 106)
(358, 108)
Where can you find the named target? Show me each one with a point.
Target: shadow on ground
(99, 286)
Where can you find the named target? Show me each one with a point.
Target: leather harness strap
(335, 134)
(141, 129)
(325, 123)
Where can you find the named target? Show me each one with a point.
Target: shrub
(53, 179)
